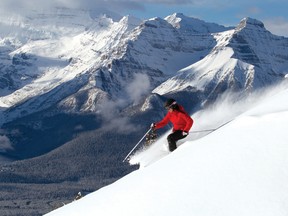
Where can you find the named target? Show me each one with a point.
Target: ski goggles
(171, 105)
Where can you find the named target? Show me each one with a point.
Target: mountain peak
(179, 15)
(178, 20)
(182, 22)
(247, 21)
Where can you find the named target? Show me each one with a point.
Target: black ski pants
(173, 138)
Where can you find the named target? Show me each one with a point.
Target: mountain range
(79, 89)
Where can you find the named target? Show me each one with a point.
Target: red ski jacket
(180, 120)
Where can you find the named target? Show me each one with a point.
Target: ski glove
(153, 125)
(185, 133)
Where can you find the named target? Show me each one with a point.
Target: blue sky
(273, 13)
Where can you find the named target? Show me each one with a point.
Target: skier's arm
(188, 120)
(163, 122)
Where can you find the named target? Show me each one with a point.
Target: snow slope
(239, 169)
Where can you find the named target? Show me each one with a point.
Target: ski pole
(137, 144)
(201, 131)
(214, 129)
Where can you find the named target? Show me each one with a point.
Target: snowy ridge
(190, 24)
(62, 61)
(237, 62)
(240, 169)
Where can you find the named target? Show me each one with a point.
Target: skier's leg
(171, 142)
(173, 138)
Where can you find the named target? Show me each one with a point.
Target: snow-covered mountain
(101, 56)
(245, 58)
(60, 59)
(37, 68)
(239, 169)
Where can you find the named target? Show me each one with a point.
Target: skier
(181, 121)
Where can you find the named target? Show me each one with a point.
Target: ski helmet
(170, 103)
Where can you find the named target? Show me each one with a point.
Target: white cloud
(5, 144)
(114, 5)
(22, 6)
(110, 114)
(110, 109)
(138, 87)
